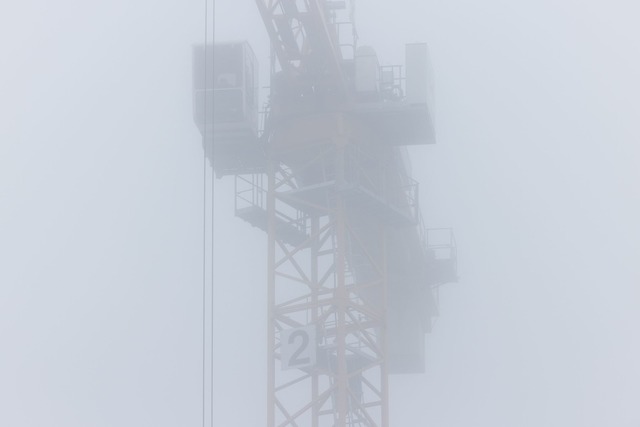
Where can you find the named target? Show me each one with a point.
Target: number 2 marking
(304, 342)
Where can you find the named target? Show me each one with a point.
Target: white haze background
(101, 175)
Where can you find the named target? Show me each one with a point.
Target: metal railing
(251, 194)
(440, 242)
(391, 82)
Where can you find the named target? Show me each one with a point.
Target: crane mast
(351, 267)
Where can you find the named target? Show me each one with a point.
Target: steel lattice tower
(351, 268)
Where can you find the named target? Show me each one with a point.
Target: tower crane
(326, 174)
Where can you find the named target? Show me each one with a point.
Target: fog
(536, 167)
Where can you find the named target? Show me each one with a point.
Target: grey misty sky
(536, 168)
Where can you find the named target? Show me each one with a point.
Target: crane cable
(204, 224)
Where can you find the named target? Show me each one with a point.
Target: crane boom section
(305, 38)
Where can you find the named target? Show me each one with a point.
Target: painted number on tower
(298, 347)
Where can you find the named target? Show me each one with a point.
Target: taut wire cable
(204, 213)
(213, 202)
(207, 150)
